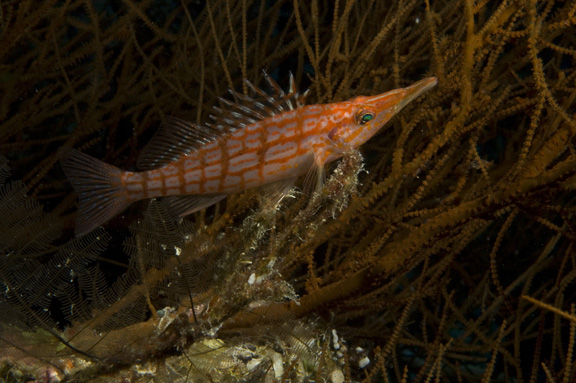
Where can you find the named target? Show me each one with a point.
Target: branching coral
(449, 258)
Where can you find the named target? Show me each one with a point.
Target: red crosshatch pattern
(256, 142)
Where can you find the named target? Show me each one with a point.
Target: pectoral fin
(316, 176)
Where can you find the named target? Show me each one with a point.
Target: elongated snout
(415, 90)
(397, 99)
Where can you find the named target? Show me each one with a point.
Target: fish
(267, 138)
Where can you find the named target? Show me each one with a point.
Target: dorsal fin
(244, 110)
(178, 137)
(173, 140)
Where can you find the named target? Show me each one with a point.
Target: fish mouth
(415, 90)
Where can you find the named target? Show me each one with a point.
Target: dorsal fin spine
(179, 137)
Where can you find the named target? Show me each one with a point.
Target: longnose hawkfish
(270, 138)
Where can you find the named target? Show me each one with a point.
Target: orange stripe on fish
(252, 141)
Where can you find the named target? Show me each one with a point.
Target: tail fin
(99, 188)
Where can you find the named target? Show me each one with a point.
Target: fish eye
(364, 117)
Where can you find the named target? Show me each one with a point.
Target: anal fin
(181, 206)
